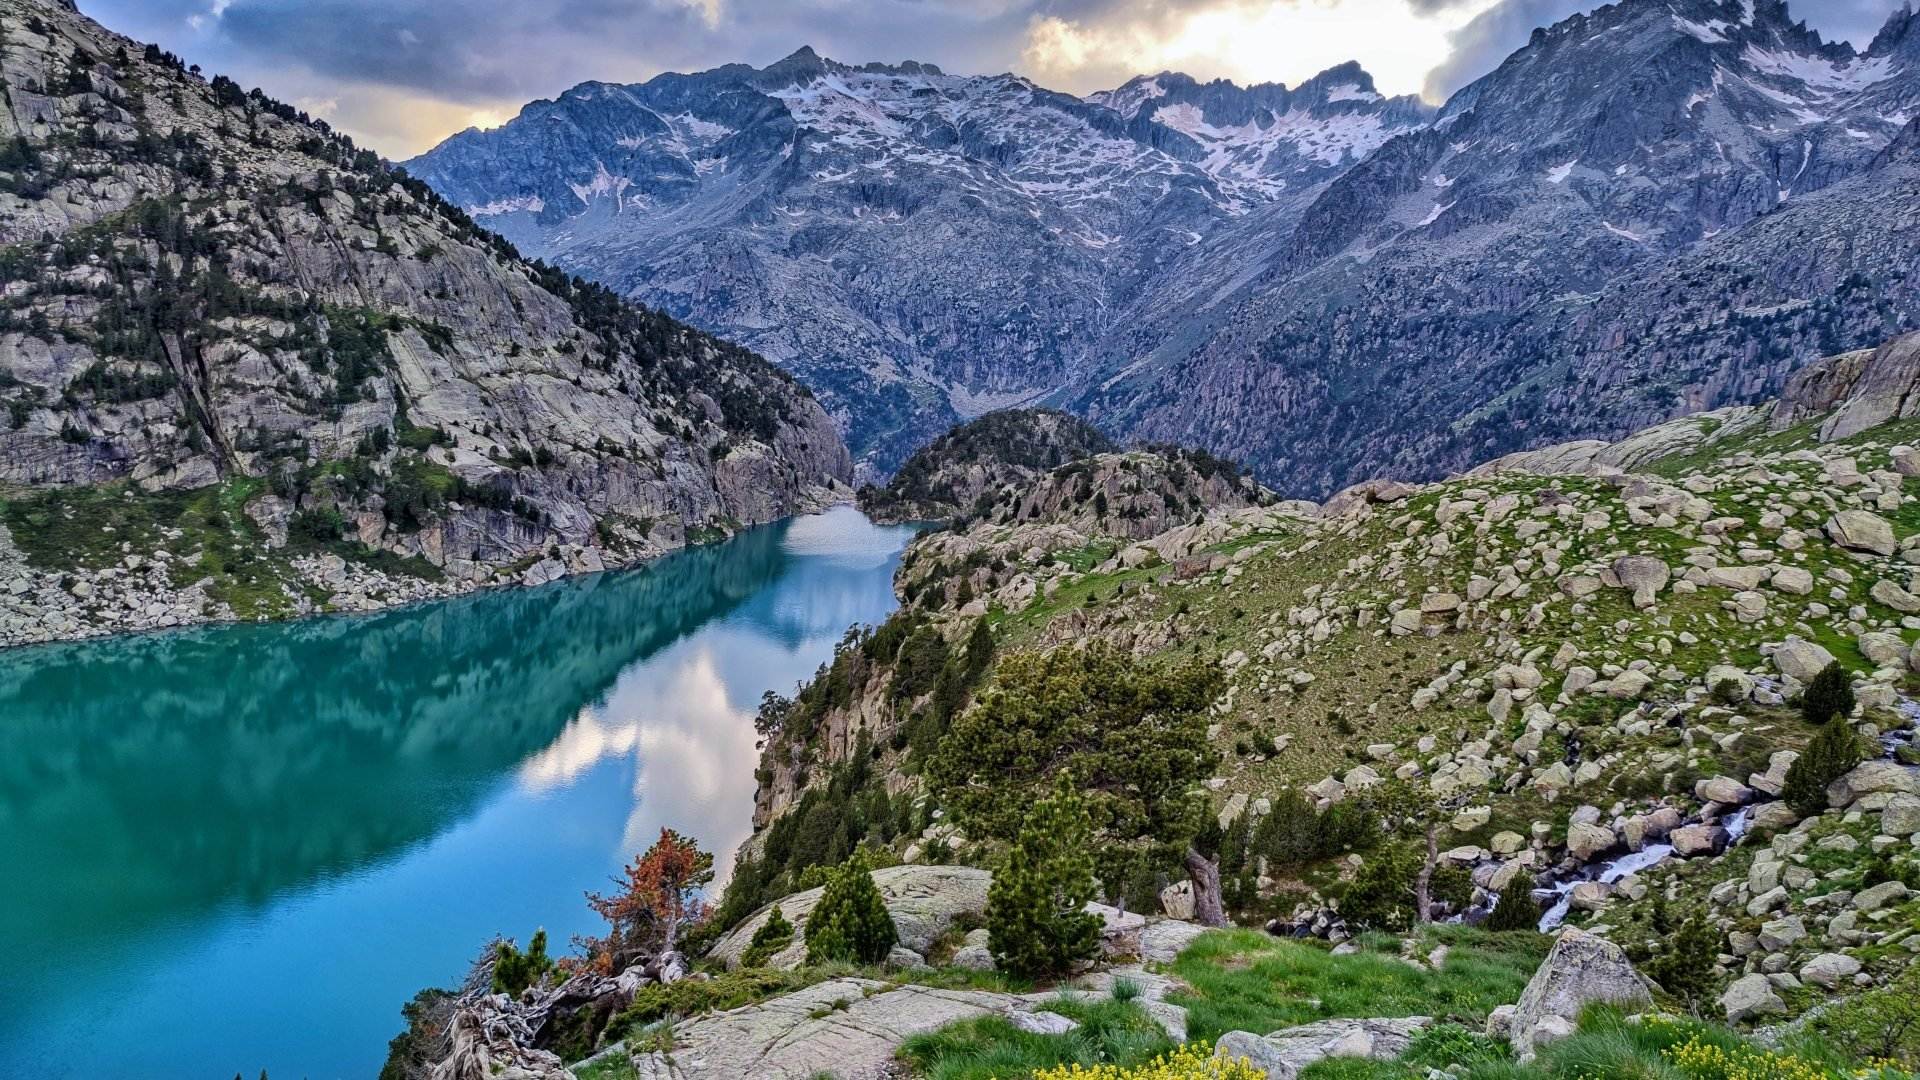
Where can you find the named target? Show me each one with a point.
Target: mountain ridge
(1297, 262)
(795, 205)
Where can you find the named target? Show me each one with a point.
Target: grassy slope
(206, 531)
(1363, 678)
(1250, 982)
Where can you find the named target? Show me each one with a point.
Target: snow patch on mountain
(1821, 73)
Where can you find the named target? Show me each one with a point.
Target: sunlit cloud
(404, 74)
(1397, 41)
(691, 745)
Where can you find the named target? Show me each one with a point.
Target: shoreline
(54, 604)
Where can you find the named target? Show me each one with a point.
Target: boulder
(1829, 969)
(1698, 840)
(974, 953)
(1590, 896)
(1582, 969)
(1629, 684)
(1793, 579)
(1723, 789)
(1642, 575)
(1901, 816)
(1177, 900)
(1284, 1054)
(1586, 841)
(1871, 778)
(1782, 933)
(1769, 818)
(1895, 597)
(1750, 996)
(1862, 530)
(1800, 659)
(1879, 896)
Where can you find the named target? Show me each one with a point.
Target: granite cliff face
(1317, 281)
(917, 246)
(206, 293)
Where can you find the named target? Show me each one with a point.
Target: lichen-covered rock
(1284, 1054)
(1581, 969)
(1750, 996)
(1862, 530)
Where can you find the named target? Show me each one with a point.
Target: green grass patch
(1244, 980)
(611, 1067)
(990, 1047)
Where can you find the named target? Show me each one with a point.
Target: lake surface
(241, 848)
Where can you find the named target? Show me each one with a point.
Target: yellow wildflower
(1194, 1061)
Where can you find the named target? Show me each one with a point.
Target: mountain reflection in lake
(239, 848)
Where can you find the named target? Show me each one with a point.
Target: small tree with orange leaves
(659, 898)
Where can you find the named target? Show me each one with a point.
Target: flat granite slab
(848, 1028)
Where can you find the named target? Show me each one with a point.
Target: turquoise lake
(241, 848)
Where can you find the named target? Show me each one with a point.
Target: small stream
(1611, 871)
(1616, 870)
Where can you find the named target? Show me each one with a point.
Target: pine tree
(1037, 922)
(1685, 970)
(979, 652)
(774, 934)
(1829, 695)
(1380, 895)
(851, 922)
(1516, 909)
(1239, 869)
(514, 971)
(1832, 754)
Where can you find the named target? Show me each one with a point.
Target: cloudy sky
(400, 75)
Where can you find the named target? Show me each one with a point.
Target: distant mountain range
(1322, 281)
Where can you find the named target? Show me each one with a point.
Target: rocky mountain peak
(794, 207)
(1899, 37)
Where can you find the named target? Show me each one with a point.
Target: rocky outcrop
(1135, 495)
(925, 901)
(849, 1028)
(968, 467)
(1883, 389)
(359, 369)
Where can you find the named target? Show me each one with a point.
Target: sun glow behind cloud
(400, 75)
(1247, 41)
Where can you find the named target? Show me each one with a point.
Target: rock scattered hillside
(1588, 660)
(249, 370)
(967, 467)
